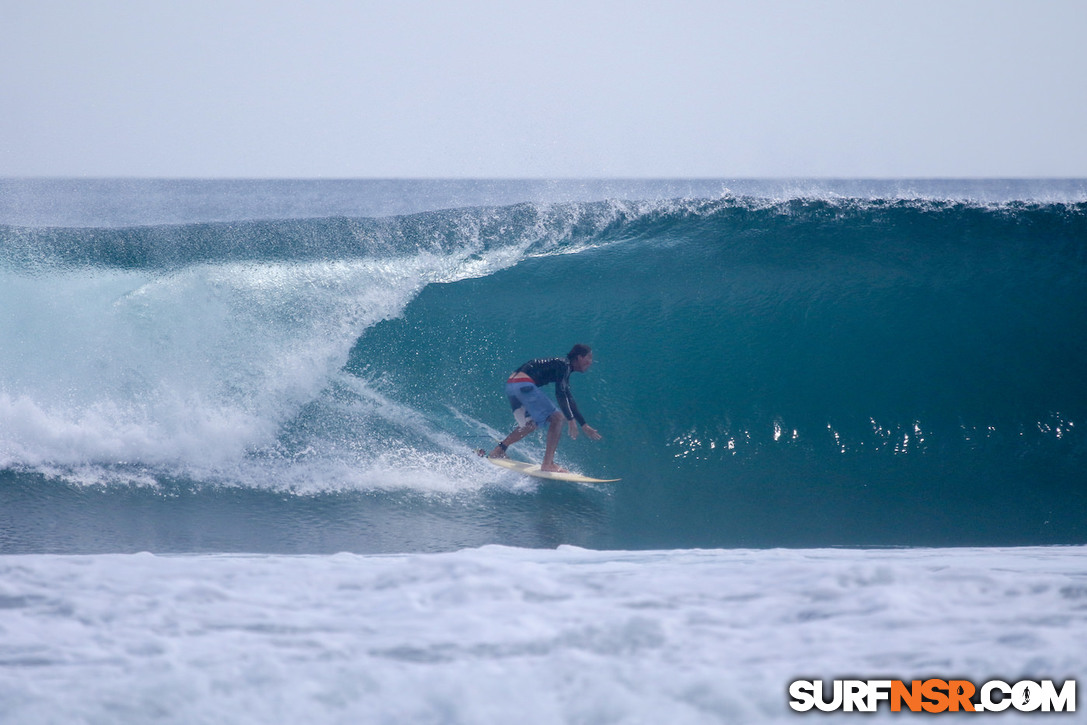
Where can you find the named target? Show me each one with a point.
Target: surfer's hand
(572, 427)
(591, 432)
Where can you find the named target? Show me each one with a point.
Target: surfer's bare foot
(552, 468)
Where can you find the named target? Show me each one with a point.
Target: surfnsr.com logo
(933, 696)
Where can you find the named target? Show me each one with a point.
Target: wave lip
(117, 203)
(521, 228)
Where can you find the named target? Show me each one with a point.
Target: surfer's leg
(517, 434)
(554, 432)
(531, 408)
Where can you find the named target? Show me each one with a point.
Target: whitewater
(497, 634)
(237, 423)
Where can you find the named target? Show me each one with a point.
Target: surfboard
(533, 469)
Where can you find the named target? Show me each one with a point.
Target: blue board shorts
(526, 397)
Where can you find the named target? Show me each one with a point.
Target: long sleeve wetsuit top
(544, 371)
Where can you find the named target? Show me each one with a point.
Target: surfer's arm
(574, 416)
(589, 431)
(566, 402)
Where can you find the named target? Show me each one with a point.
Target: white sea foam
(499, 635)
(190, 369)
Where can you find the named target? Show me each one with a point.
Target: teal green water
(807, 373)
(769, 372)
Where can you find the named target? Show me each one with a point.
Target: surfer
(531, 408)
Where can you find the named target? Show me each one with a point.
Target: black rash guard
(545, 371)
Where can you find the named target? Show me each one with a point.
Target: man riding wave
(531, 408)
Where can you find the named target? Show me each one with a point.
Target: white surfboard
(533, 469)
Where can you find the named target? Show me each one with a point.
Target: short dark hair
(577, 351)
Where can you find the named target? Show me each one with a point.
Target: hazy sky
(509, 88)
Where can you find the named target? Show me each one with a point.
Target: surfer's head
(580, 357)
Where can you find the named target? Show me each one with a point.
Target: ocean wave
(763, 356)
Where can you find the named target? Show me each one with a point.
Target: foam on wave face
(192, 368)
